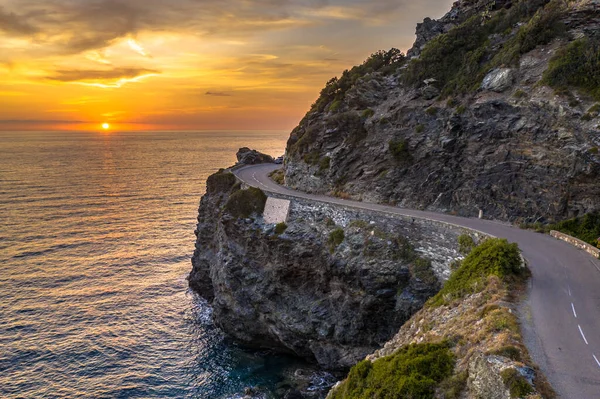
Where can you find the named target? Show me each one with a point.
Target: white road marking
(574, 312)
(595, 265)
(569, 287)
(581, 331)
(596, 359)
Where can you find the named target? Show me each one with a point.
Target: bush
(578, 65)
(280, 228)
(465, 244)
(324, 164)
(222, 181)
(335, 106)
(520, 94)
(420, 128)
(493, 257)
(593, 150)
(245, 203)
(461, 110)
(336, 237)
(517, 384)
(367, 113)
(399, 149)
(511, 352)
(414, 371)
(278, 176)
(431, 111)
(586, 228)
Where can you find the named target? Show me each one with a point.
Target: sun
(105, 126)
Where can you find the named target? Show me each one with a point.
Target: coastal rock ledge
(331, 286)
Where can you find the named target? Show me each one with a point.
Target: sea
(96, 236)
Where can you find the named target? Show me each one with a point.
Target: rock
(429, 92)
(246, 156)
(296, 294)
(498, 80)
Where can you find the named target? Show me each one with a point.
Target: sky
(186, 64)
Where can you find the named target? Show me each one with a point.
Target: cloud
(75, 26)
(14, 24)
(217, 94)
(106, 78)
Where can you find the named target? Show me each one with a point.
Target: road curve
(561, 317)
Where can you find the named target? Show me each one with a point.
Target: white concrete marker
(276, 210)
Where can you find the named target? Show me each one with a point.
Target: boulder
(246, 156)
(498, 80)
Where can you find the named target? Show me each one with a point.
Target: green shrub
(509, 351)
(594, 110)
(593, 150)
(367, 113)
(519, 94)
(577, 65)
(587, 117)
(335, 106)
(518, 386)
(244, 203)
(324, 164)
(414, 371)
(431, 111)
(461, 110)
(221, 181)
(451, 103)
(336, 237)
(465, 244)
(399, 149)
(420, 128)
(455, 385)
(280, 228)
(278, 176)
(493, 257)
(586, 228)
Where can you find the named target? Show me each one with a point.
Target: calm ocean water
(96, 233)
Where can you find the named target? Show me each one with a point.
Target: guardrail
(590, 249)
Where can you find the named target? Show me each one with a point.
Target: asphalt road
(561, 316)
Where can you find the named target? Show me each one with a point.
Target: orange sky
(185, 64)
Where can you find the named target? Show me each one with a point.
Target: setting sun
(105, 126)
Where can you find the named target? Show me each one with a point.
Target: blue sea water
(96, 233)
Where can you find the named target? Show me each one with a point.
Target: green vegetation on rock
(493, 257)
(414, 371)
(577, 65)
(334, 92)
(280, 228)
(336, 237)
(516, 383)
(220, 182)
(459, 59)
(244, 203)
(400, 150)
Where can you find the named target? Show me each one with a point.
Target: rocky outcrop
(332, 287)
(508, 145)
(246, 156)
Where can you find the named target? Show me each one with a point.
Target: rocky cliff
(331, 285)
(495, 108)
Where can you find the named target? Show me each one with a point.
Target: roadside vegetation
(412, 372)
(468, 321)
(586, 228)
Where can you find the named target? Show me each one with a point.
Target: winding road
(561, 316)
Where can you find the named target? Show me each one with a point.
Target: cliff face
(331, 286)
(493, 112)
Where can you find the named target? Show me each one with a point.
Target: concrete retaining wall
(576, 242)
